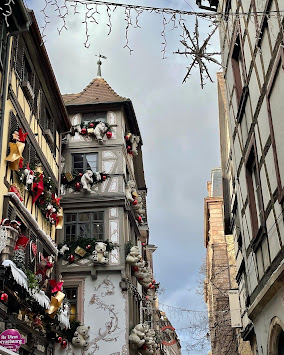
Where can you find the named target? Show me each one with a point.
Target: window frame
(85, 163)
(91, 221)
(255, 198)
(72, 281)
(94, 118)
(277, 65)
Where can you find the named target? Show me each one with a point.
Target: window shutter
(19, 55)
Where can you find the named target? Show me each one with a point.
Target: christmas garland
(88, 129)
(73, 180)
(83, 248)
(42, 188)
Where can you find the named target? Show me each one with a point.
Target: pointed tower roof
(98, 91)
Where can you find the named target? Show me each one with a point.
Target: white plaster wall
(274, 308)
(105, 311)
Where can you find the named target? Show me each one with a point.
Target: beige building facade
(253, 60)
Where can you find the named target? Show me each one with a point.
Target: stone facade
(253, 60)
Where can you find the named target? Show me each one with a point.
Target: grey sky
(178, 123)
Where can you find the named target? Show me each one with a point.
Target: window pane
(98, 216)
(84, 230)
(70, 233)
(98, 231)
(100, 116)
(78, 162)
(87, 117)
(91, 162)
(70, 217)
(83, 217)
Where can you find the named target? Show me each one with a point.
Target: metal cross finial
(100, 63)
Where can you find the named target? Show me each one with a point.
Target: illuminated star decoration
(197, 53)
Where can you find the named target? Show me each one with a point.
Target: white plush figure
(99, 131)
(100, 255)
(134, 256)
(134, 140)
(63, 249)
(80, 336)
(129, 188)
(137, 336)
(30, 178)
(98, 176)
(151, 293)
(87, 180)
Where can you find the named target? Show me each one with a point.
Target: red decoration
(91, 125)
(144, 347)
(77, 186)
(4, 297)
(22, 136)
(83, 131)
(88, 247)
(135, 268)
(104, 177)
(21, 162)
(134, 203)
(147, 298)
(71, 258)
(64, 344)
(38, 189)
(34, 248)
(139, 219)
(127, 138)
(80, 174)
(128, 149)
(109, 134)
(59, 340)
(21, 242)
(56, 286)
(16, 191)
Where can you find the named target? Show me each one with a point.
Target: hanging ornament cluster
(132, 142)
(83, 248)
(96, 129)
(17, 147)
(42, 188)
(135, 200)
(144, 339)
(83, 182)
(142, 272)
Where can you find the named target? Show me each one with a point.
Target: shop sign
(11, 339)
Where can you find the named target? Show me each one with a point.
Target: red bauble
(104, 177)
(64, 344)
(77, 186)
(83, 131)
(134, 203)
(143, 244)
(144, 347)
(128, 149)
(147, 298)
(135, 268)
(71, 258)
(139, 219)
(88, 247)
(109, 134)
(59, 340)
(127, 138)
(91, 125)
(80, 174)
(4, 297)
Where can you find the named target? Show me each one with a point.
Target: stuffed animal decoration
(129, 189)
(150, 346)
(87, 180)
(137, 336)
(63, 249)
(134, 256)
(99, 131)
(80, 336)
(134, 140)
(100, 255)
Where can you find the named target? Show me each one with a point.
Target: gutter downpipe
(5, 78)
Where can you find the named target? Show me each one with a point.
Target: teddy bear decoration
(100, 254)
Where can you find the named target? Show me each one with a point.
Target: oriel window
(83, 162)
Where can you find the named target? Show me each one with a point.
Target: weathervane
(100, 63)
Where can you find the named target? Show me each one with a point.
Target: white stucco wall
(105, 311)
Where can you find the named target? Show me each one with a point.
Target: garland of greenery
(127, 247)
(87, 244)
(93, 125)
(73, 180)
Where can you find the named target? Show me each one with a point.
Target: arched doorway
(276, 337)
